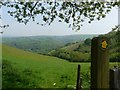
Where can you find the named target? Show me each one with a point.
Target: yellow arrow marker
(104, 44)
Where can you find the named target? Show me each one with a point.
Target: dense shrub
(72, 56)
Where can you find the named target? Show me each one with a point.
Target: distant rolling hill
(43, 44)
(80, 51)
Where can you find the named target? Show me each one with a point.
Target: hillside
(22, 69)
(73, 52)
(80, 51)
(43, 44)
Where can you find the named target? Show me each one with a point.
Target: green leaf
(45, 18)
(16, 6)
(61, 15)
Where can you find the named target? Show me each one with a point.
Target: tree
(87, 42)
(73, 13)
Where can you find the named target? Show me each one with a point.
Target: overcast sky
(32, 29)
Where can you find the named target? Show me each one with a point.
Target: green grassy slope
(71, 47)
(23, 69)
(73, 52)
(41, 71)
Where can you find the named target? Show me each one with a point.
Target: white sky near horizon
(32, 29)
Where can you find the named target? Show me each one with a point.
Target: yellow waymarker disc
(104, 44)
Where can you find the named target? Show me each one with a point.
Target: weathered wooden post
(115, 78)
(100, 63)
(78, 86)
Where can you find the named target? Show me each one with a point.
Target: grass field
(43, 70)
(39, 71)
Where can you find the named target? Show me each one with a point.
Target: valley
(25, 65)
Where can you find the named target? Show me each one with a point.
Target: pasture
(31, 70)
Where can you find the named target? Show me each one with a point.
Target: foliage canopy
(73, 13)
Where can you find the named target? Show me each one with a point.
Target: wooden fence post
(78, 86)
(100, 63)
(115, 78)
